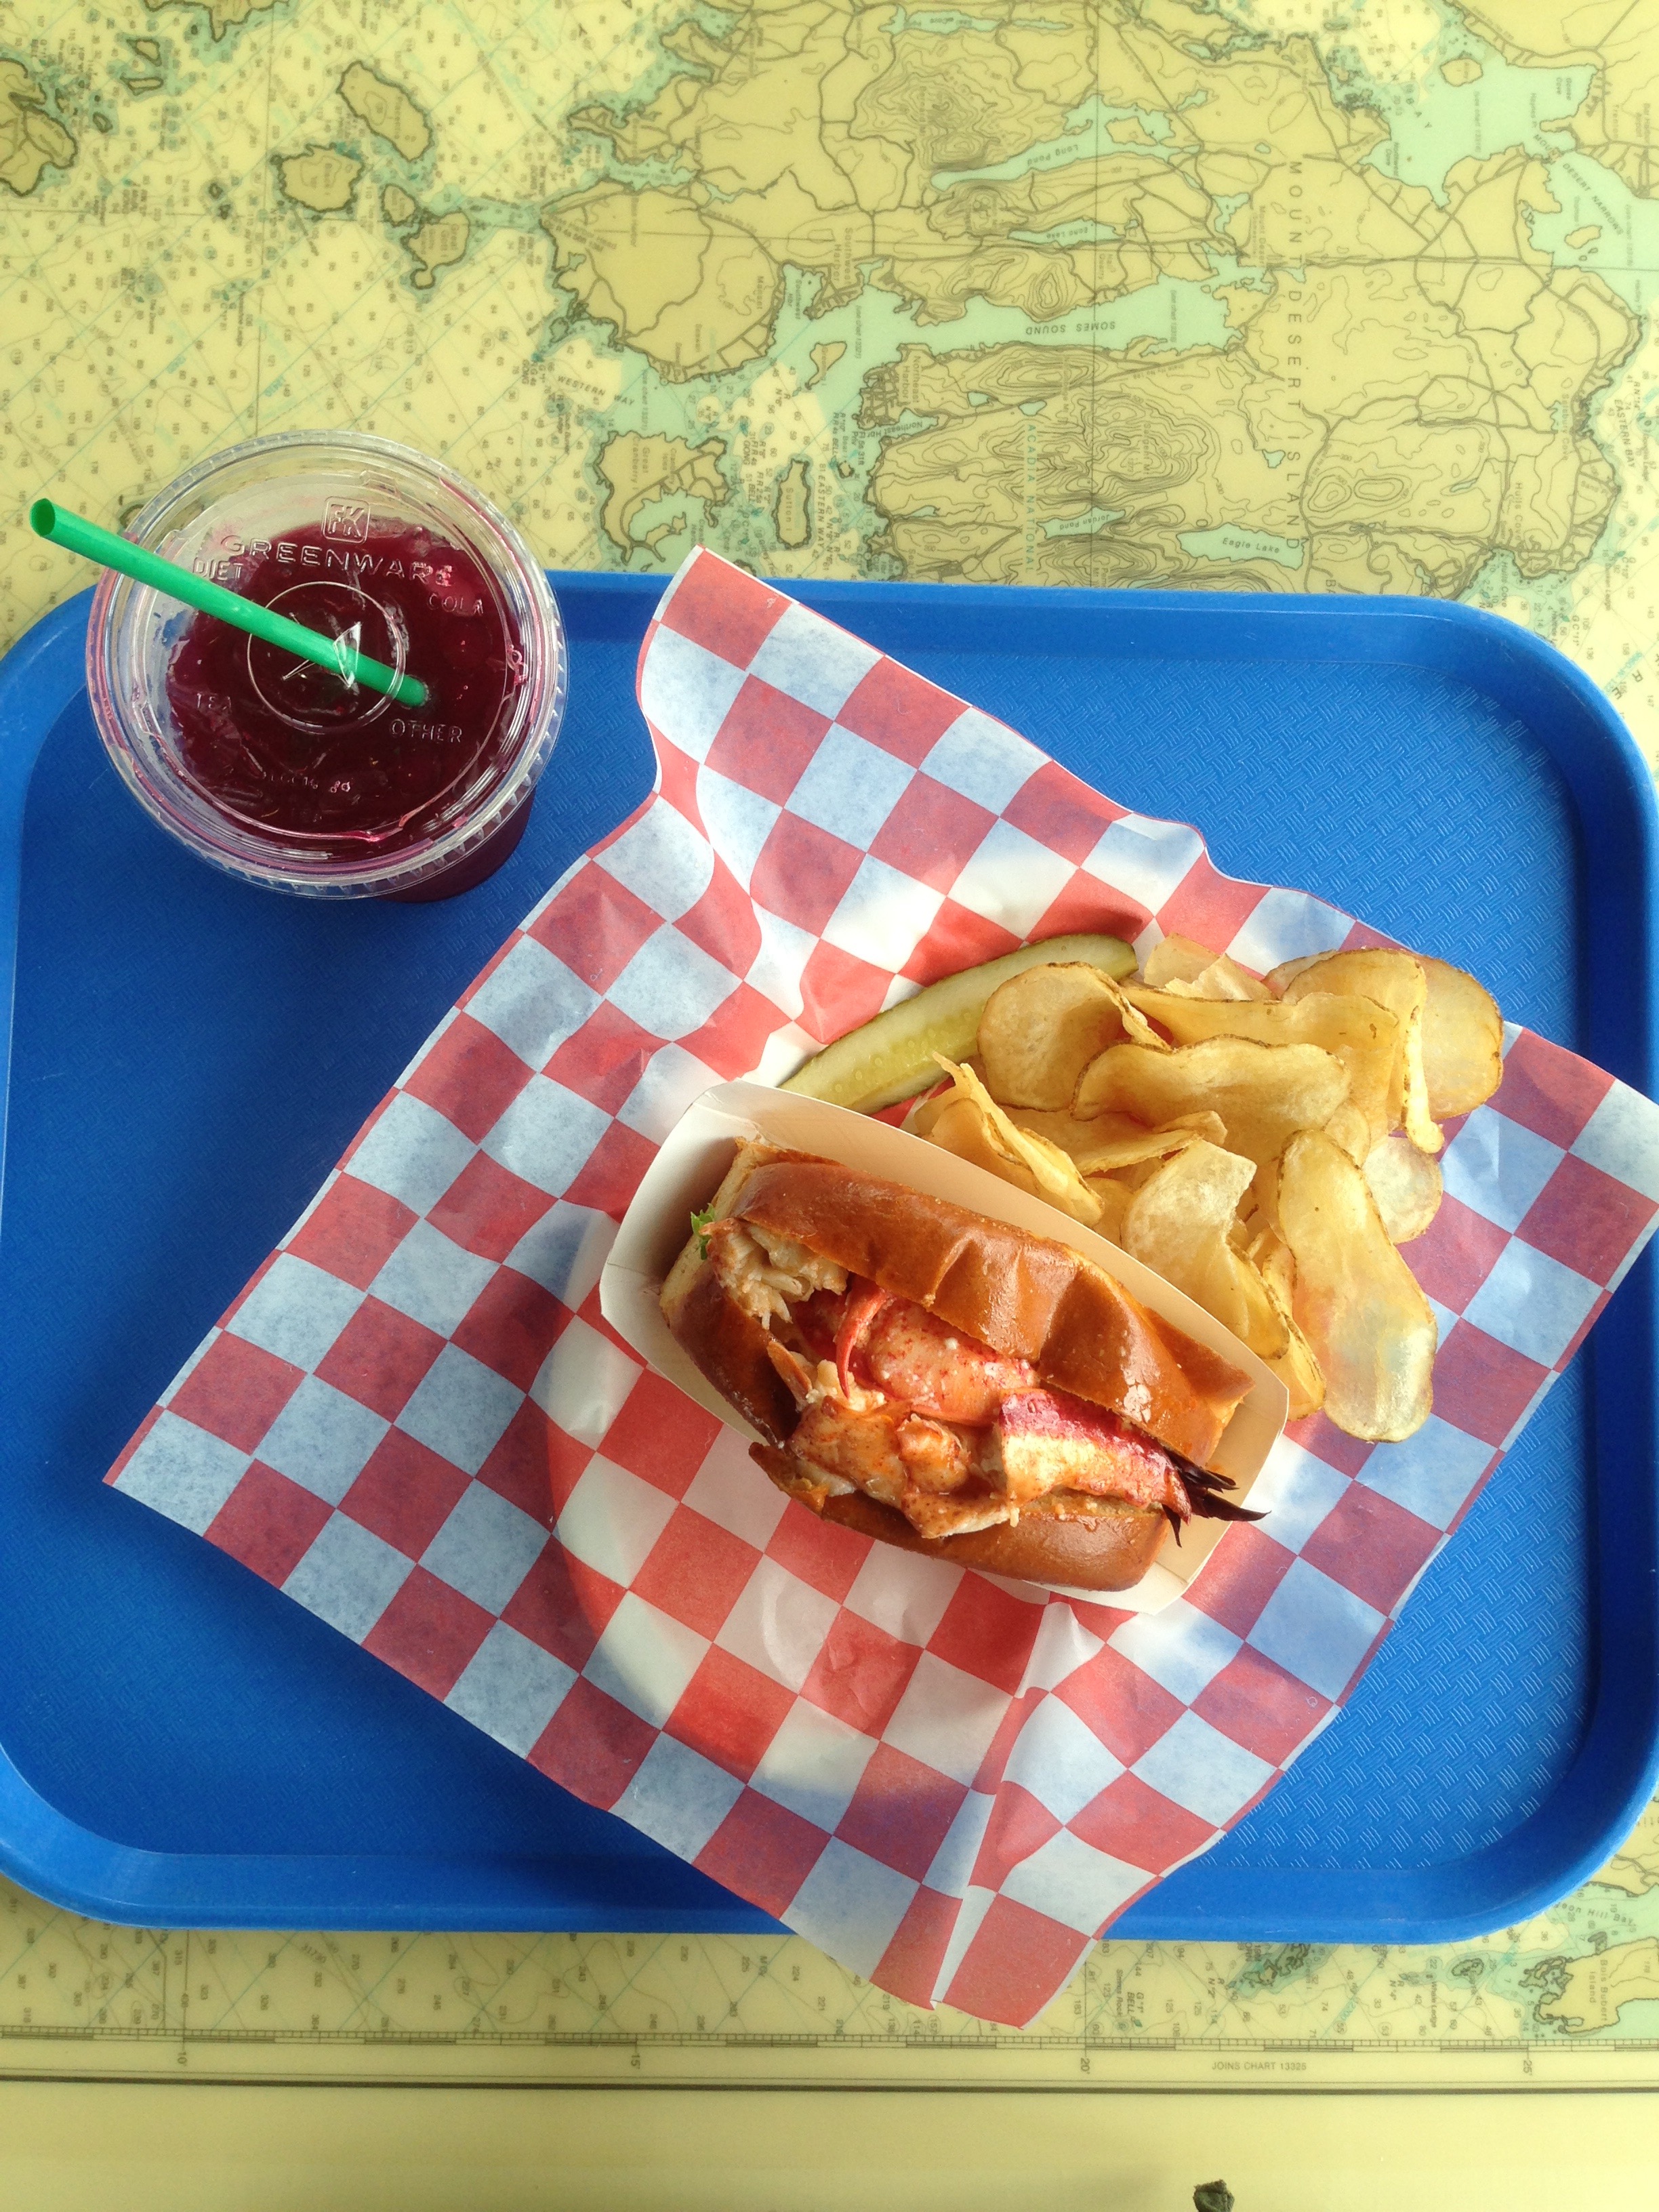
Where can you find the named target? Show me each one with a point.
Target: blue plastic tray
(182, 1746)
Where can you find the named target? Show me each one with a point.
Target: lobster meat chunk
(899, 1348)
(1047, 1440)
(896, 1403)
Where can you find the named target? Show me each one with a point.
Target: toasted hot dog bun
(727, 1344)
(1111, 1550)
(1026, 1296)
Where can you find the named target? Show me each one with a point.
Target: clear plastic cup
(255, 762)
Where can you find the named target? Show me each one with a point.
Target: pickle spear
(891, 1056)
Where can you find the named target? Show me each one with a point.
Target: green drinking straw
(103, 546)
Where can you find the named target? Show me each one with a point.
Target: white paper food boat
(696, 1155)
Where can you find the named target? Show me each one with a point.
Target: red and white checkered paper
(416, 1422)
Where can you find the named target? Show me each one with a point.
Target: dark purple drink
(287, 775)
(290, 748)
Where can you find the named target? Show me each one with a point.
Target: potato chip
(1113, 1140)
(1223, 979)
(1114, 1197)
(962, 1128)
(1263, 1093)
(1175, 1223)
(1140, 1171)
(1363, 1036)
(1178, 1223)
(1175, 960)
(1277, 978)
(957, 1126)
(1348, 1127)
(926, 1112)
(1204, 1123)
(1251, 1226)
(1040, 1029)
(1405, 1185)
(1396, 981)
(1356, 1301)
(973, 1126)
(1255, 1320)
(1462, 1041)
(1265, 1195)
(1296, 1366)
(1073, 1136)
(1137, 1030)
(1120, 1144)
(1272, 1254)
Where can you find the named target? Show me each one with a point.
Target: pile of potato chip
(1265, 1146)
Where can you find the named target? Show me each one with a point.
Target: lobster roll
(945, 1382)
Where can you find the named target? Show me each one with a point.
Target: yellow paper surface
(71, 2148)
